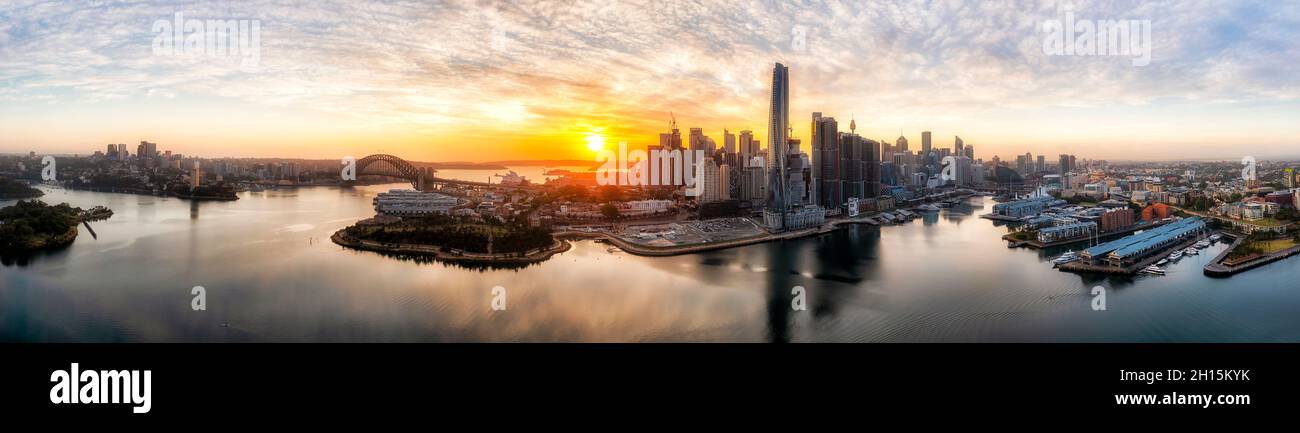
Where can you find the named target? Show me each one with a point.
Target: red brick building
(1116, 219)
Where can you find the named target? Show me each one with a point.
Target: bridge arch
(392, 166)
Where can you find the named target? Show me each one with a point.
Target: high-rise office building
(728, 142)
(1064, 162)
(749, 148)
(1042, 163)
(853, 166)
(926, 144)
(671, 140)
(799, 175)
(710, 181)
(699, 142)
(901, 145)
(964, 172)
(754, 180)
(888, 174)
(724, 182)
(957, 146)
(871, 174)
(778, 120)
(196, 176)
(826, 180)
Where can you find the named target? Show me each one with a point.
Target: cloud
(423, 66)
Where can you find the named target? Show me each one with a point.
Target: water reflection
(779, 292)
(272, 275)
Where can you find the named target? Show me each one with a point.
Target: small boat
(927, 208)
(1162, 262)
(1068, 257)
(1154, 270)
(1192, 251)
(1215, 237)
(1202, 244)
(1176, 255)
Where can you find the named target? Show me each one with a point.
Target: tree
(611, 193)
(609, 211)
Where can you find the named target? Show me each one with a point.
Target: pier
(1128, 255)
(1031, 243)
(1217, 267)
(1082, 267)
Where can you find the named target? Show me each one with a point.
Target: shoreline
(1217, 269)
(677, 250)
(437, 252)
(610, 238)
(48, 243)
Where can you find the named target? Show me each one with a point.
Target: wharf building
(1067, 231)
(1133, 249)
(1025, 208)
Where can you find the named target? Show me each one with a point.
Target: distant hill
(12, 189)
(546, 162)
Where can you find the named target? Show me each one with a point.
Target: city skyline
(507, 83)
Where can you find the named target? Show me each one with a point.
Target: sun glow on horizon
(595, 141)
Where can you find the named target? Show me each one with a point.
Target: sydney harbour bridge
(421, 178)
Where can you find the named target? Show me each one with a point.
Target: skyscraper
(826, 186)
(852, 167)
(699, 141)
(957, 146)
(748, 147)
(196, 176)
(777, 121)
(871, 174)
(752, 182)
(724, 182)
(711, 182)
(925, 145)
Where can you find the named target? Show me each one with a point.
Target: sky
(489, 80)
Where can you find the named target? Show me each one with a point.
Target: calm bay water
(271, 274)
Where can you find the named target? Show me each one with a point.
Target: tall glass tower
(777, 138)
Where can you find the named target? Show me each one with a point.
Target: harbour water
(270, 273)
